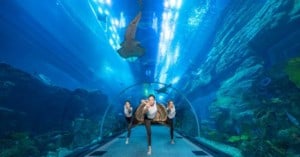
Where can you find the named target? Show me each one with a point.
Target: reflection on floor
(137, 147)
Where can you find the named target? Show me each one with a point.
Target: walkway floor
(137, 147)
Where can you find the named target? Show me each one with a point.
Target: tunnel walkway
(137, 147)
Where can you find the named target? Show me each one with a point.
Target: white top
(128, 112)
(152, 110)
(171, 112)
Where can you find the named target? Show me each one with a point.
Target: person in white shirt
(128, 116)
(149, 110)
(171, 115)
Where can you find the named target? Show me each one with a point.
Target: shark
(130, 47)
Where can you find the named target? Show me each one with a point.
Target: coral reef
(47, 113)
(292, 70)
(255, 108)
(84, 132)
(18, 145)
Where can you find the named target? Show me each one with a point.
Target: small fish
(11, 111)
(292, 119)
(6, 109)
(237, 130)
(59, 136)
(43, 78)
(163, 89)
(8, 84)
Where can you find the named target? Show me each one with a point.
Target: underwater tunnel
(231, 68)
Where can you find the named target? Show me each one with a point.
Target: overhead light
(168, 24)
(111, 42)
(116, 22)
(100, 10)
(172, 3)
(178, 5)
(108, 2)
(175, 80)
(122, 20)
(154, 22)
(166, 4)
(106, 12)
(160, 97)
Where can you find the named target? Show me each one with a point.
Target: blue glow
(175, 80)
(122, 20)
(101, 1)
(178, 5)
(168, 26)
(154, 22)
(100, 10)
(106, 12)
(197, 16)
(108, 2)
(112, 23)
(111, 41)
(161, 97)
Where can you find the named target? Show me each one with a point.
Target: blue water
(231, 68)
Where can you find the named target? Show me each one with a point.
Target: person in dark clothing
(128, 116)
(149, 110)
(170, 120)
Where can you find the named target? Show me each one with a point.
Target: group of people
(149, 111)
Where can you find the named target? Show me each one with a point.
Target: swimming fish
(163, 89)
(11, 111)
(131, 47)
(292, 119)
(6, 109)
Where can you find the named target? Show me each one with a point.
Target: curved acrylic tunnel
(230, 66)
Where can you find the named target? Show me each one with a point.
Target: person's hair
(170, 102)
(151, 95)
(127, 101)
